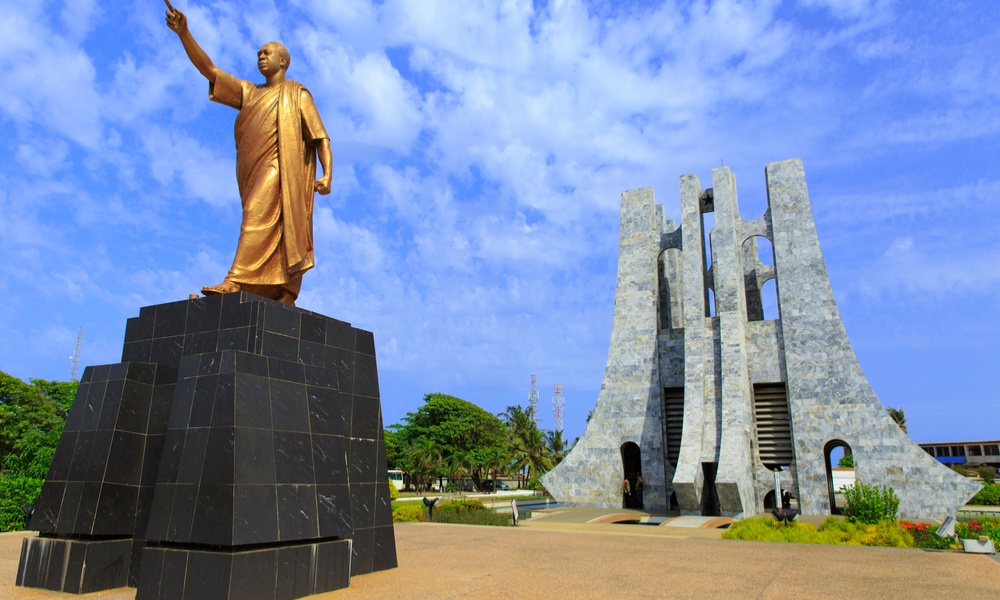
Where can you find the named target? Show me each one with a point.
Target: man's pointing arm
(177, 22)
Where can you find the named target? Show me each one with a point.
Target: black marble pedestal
(237, 431)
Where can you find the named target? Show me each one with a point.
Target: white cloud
(907, 270)
(347, 245)
(52, 82)
(480, 151)
(361, 98)
(845, 9)
(78, 18)
(174, 157)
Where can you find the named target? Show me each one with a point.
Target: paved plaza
(563, 555)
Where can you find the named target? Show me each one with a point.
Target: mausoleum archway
(632, 473)
(832, 453)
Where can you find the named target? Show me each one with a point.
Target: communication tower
(533, 402)
(76, 354)
(558, 402)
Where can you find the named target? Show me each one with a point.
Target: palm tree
(527, 441)
(424, 461)
(557, 446)
(517, 419)
(457, 464)
(530, 446)
(897, 416)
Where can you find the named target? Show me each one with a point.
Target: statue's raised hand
(176, 20)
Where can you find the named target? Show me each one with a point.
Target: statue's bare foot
(226, 287)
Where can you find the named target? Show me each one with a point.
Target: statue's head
(273, 57)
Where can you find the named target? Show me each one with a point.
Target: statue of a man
(278, 137)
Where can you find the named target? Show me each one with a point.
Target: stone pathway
(558, 554)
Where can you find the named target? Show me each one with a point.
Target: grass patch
(832, 531)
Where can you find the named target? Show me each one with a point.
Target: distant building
(961, 453)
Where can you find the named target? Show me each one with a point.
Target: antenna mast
(558, 402)
(533, 402)
(76, 354)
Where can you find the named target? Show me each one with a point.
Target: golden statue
(278, 136)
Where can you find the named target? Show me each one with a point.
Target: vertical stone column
(628, 406)
(699, 357)
(828, 394)
(734, 481)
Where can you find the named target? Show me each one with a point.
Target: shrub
(408, 513)
(988, 496)
(832, 531)
(771, 530)
(870, 504)
(971, 530)
(887, 534)
(960, 470)
(485, 517)
(987, 473)
(923, 536)
(462, 505)
(15, 492)
(393, 492)
(470, 511)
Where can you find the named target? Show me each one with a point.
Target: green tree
(898, 416)
(457, 465)
(557, 446)
(527, 442)
(32, 417)
(517, 419)
(454, 427)
(424, 461)
(395, 447)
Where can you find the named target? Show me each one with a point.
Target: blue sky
(480, 150)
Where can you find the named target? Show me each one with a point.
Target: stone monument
(704, 399)
(236, 452)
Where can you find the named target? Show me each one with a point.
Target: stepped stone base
(235, 452)
(282, 573)
(74, 566)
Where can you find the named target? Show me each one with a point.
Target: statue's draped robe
(276, 133)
